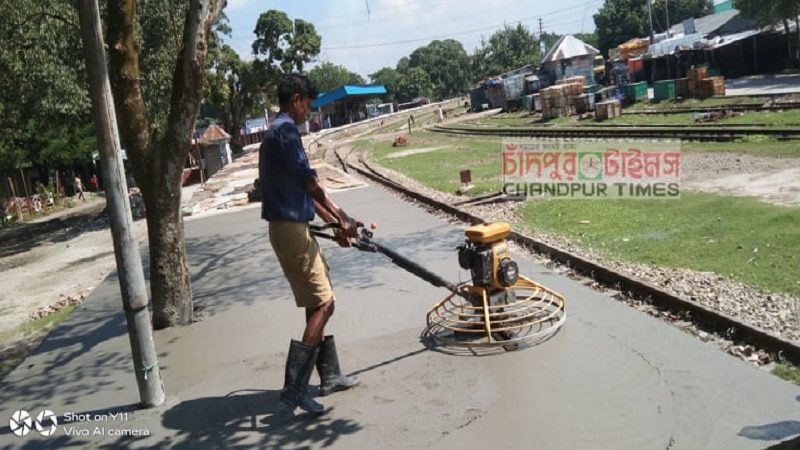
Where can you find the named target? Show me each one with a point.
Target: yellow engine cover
(487, 233)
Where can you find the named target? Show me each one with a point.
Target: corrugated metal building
(570, 57)
(346, 104)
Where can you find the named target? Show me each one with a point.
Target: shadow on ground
(235, 418)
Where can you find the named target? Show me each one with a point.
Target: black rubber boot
(299, 365)
(330, 374)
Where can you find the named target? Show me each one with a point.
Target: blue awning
(348, 91)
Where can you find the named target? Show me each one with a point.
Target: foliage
(415, 83)
(618, 21)
(388, 77)
(506, 49)
(43, 88)
(589, 38)
(328, 76)
(447, 65)
(233, 89)
(283, 46)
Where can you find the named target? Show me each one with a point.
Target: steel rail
(718, 321)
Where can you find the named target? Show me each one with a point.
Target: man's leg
(316, 319)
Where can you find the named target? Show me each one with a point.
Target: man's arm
(330, 212)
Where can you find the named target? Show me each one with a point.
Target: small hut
(215, 149)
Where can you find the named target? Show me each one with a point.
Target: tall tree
(388, 77)
(158, 154)
(282, 46)
(415, 83)
(234, 88)
(44, 104)
(507, 49)
(447, 66)
(328, 76)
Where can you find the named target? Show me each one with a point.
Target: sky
(366, 35)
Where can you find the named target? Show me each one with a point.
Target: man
(291, 195)
(79, 188)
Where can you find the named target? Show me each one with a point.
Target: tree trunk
(170, 280)
(158, 166)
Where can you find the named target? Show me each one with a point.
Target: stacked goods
(695, 78)
(591, 88)
(682, 87)
(712, 86)
(584, 103)
(606, 93)
(581, 80)
(556, 101)
(633, 48)
(663, 90)
(635, 92)
(608, 109)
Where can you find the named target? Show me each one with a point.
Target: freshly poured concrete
(612, 378)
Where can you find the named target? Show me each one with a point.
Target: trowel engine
(486, 255)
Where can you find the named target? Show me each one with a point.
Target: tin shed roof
(567, 47)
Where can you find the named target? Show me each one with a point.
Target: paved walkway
(612, 378)
(763, 85)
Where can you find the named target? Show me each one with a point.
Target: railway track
(701, 316)
(688, 133)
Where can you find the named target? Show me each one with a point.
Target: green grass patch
(741, 238)
(440, 168)
(788, 372)
(18, 343)
(35, 327)
(697, 103)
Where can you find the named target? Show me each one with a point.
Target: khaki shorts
(302, 262)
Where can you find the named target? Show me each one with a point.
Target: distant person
(291, 195)
(79, 188)
(95, 183)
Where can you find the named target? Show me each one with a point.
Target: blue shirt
(284, 172)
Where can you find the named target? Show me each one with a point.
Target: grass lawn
(743, 238)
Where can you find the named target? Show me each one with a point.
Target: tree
(328, 76)
(415, 83)
(589, 38)
(44, 104)
(389, 78)
(158, 154)
(506, 49)
(283, 46)
(618, 21)
(234, 89)
(447, 66)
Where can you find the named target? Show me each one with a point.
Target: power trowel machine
(499, 308)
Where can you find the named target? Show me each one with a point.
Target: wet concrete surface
(611, 378)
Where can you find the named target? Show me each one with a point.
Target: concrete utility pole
(650, 20)
(126, 248)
